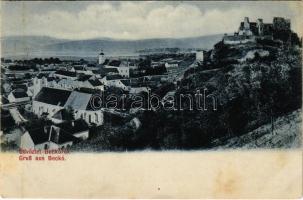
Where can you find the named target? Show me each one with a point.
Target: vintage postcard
(151, 99)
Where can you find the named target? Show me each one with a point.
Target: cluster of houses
(63, 94)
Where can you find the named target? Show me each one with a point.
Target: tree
(69, 114)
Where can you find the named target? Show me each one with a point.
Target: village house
(172, 66)
(86, 106)
(122, 68)
(68, 84)
(42, 80)
(199, 56)
(78, 128)
(116, 81)
(50, 137)
(85, 82)
(37, 138)
(124, 71)
(18, 95)
(51, 100)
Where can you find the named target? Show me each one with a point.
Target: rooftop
(53, 96)
(105, 71)
(79, 68)
(115, 63)
(126, 82)
(114, 77)
(78, 100)
(19, 93)
(66, 73)
(60, 136)
(84, 77)
(95, 82)
(39, 135)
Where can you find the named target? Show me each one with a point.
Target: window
(90, 118)
(96, 117)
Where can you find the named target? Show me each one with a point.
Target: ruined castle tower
(246, 24)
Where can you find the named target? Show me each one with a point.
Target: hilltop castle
(249, 31)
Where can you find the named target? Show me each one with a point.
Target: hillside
(46, 46)
(20, 45)
(255, 84)
(286, 134)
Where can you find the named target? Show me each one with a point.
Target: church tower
(101, 57)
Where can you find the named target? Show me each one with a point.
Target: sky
(138, 20)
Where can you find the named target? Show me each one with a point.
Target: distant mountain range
(43, 46)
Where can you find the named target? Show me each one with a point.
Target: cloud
(132, 20)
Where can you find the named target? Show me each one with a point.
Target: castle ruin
(249, 31)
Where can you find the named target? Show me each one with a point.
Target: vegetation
(40, 61)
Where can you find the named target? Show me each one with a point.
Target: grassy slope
(286, 134)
